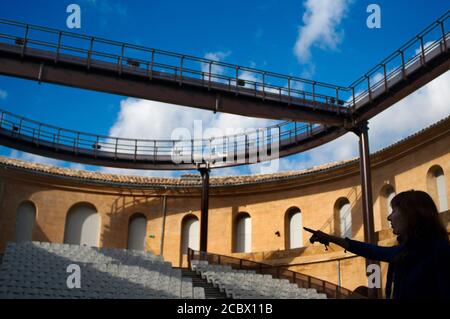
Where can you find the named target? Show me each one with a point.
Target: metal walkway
(54, 56)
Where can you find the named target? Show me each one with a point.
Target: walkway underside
(101, 76)
(415, 64)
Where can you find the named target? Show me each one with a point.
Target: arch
(293, 228)
(243, 233)
(387, 193)
(25, 221)
(190, 234)
(343, 217)
(137, 232)
(82, 225)
(437, 187)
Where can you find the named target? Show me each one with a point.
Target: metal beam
(366, 185)
(204, 171)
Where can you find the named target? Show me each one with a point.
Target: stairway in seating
(211, 292)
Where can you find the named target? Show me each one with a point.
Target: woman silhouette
(419, 266)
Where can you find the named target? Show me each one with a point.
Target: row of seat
(243, 284)
(46, 270)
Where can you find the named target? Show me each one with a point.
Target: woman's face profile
(396, 221)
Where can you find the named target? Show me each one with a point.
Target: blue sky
(261, 34)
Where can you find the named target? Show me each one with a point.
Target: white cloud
(413, 113)
(3, 94)
(144, 119)
(215, 56)
(320, 27)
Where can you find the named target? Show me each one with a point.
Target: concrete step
(211, 292)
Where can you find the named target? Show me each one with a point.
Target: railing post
(57, 139)
(76, 143)
(443, 35)
(209, 75)
(95, 148)
(403, 64)
(25, 39)
(115, 148)
(90, 53)
(289, 90)
(314, 94)
(151, 64)
(385, 77)
(39, 132)
(368, 88)
(135, 149)
(58, 48)
(181, 70)
(264, 85)
(121, 58)
(422, 49)
(237, 79)
(354, 98)
(1, 119)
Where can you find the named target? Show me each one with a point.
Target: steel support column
(366, 189)
(204, 171)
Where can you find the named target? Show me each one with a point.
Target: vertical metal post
(264, 85)
(25, 39)
(366, 187)
(91, 44)
(443, 35)
(204, 171)
(164, 213)
(181, 70)
(403, 64)
(368, 88)
(151, 64)
(121, 58)
(237, 79)
(209, 75)
(58, 48)
(422, 49)
(289, 90)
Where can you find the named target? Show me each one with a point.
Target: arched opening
(343, 217)
(137, 232)
(25, 220)
(386, 195)
(293, 228)
(82, 225)
(190, 234)
(437, 187)
(243, 233)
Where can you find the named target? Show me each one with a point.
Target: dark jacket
(416, 270)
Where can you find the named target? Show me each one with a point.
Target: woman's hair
(421, 217)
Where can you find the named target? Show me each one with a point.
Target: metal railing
(61, 139)
(279, 272)
(415, 50)
(181, 68)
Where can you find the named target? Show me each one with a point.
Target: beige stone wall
(404, 166)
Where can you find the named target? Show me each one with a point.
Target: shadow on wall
(116, 225)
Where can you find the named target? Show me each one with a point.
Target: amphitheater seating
(242, 284)
(39, 270)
